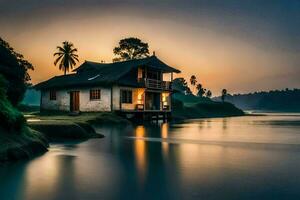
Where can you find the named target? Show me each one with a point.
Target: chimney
(153, 53)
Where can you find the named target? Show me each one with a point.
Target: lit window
(95, 94)
(126, 96)
(52, 95)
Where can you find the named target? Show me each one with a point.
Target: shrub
(10, 118)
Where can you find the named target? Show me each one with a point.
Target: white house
(141, 85)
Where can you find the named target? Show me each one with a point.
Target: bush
(10, 118)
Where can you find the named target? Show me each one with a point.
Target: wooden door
(74, 101)
(152, 101)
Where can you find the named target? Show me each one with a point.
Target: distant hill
(280, 101)
(190, 107)
(31, 98)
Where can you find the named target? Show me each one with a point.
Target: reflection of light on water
(164, 135)
(33, 120)
(42, 173)
(140, 152)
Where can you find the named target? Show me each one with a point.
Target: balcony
(156, 84)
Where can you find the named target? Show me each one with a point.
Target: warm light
(165, 98)
(140, 152)
(140, 96)
(164, 135)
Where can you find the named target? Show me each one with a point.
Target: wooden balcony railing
(157, 84)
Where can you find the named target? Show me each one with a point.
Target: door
(152, 101)
(74, 101)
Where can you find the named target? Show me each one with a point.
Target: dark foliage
(284, 100)
(200, 90)
(193, 81)
(14, 68)
(180, 85)
(131, 48)
(208, 94)
(224, 94)
(10, 118)
(186, 108)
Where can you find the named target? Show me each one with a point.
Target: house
(135, 86)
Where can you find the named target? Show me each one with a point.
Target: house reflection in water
(140, 152)
(164, 136)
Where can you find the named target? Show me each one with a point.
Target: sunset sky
(241, 45)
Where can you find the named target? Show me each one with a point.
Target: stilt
(164, 117)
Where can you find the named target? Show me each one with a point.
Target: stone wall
(62, 101)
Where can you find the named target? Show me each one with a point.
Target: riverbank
(192, 107)
(34, 138)
(56, 130)
(23, 144)
(92, 118)
(23, 140)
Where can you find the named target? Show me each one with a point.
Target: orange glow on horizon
(218, 60)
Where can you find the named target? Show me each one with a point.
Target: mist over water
(252, 157)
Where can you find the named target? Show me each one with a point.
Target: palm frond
(66, 56)
(58, 53)
(58, 59)
(73, 50)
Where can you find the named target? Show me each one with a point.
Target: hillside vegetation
(284, 100)
(16, 139)
(190, 106)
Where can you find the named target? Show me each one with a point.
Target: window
(154, 75)
(95, 94)
(126, 96)
(52, 95)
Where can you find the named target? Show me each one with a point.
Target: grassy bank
(16, 139)
(61, 130)
(25, 143)
(104, 118)
(191, 107)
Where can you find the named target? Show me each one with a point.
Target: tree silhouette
(224, 93)
(180, 84)
(201, 90)
(193, 81)
(14, 69)
(208, 94)
(67, 56)
(131, 48)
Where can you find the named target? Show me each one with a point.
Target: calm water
(226, 158)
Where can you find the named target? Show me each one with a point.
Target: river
(251, 157)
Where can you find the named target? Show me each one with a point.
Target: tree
(131, 48)
(66, 56)
(208, 94)
(14, 69)
(193, 81)
(188, 91)
(224, 93)
(201, 90)
(10, 118)
(180, 84)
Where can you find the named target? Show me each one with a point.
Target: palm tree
(193, 81)
(201, 90)
(224, 93)
(67, 56)
(208, 94)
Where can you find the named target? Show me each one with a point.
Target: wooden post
(171, 92)
(111, 99)
(144, 99)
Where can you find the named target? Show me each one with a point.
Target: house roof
(93, 73)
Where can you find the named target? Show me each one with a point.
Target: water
(253, 157)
